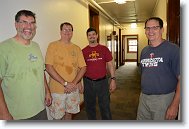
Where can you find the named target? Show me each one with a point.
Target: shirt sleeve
(49, 55)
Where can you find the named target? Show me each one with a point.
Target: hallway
(124, 101)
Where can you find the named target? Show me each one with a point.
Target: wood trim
(173, 21)
(120, 48)
(131, 60)
(94, 20)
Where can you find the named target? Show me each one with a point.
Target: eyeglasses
(67, 30)
(27, 23)
(154, 28)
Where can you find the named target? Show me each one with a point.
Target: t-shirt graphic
(152, 61)
(94, 56)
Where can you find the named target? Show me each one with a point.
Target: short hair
(157, 19)
(66, 23)
(91, 29)
(24, 13)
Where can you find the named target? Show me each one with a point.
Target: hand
(172, 112)
(6, 116)
(70, 87)
(48, 99)
(112, 85)
(80, 87)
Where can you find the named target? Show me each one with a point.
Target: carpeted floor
(124, 101)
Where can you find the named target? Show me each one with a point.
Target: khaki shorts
(62, 103)
(154, 107)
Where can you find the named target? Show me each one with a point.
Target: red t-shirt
(96, 58)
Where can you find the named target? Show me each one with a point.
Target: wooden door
(173, 21)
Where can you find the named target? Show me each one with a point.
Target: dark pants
(100, 90)
(40, 116)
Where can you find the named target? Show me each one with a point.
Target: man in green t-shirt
(23, 86)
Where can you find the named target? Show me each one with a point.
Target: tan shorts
(62, 103)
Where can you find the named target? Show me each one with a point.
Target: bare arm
(111, 69)
(4, 113)
(52, 72)
(79, 76)
(172, 110)
(48, 98)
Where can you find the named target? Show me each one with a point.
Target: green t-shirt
(22, 74)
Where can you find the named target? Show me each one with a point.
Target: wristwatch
(113, 78)
(65, 84)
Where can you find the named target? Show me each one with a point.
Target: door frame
(123, 47)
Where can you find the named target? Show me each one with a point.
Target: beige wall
(50, 14)
(105, 29)
(161, 11)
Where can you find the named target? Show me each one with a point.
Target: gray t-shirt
(160, 67)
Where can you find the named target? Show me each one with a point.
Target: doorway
(130, 48)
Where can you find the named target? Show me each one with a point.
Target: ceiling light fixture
(120, 1)
(133, 25)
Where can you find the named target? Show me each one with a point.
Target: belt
(99, 79)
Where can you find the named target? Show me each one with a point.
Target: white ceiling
(132, 11)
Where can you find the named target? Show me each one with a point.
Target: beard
(26, 35)
(92, 41)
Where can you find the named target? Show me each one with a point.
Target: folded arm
(52, 72)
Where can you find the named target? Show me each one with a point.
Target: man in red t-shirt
(97, 57)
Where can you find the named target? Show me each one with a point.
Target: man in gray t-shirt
(160, 75)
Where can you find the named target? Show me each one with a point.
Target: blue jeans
(97, 89)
